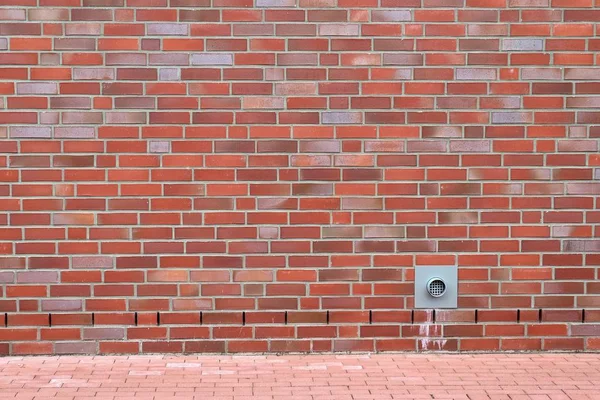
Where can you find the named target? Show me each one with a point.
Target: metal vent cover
(436, 286)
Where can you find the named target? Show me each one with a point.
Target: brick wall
(265, 175)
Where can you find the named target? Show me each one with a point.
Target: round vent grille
(436, 287)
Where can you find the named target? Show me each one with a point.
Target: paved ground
(415, 376)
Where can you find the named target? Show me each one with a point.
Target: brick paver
(412, 376)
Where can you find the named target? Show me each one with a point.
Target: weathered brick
(212, 59)
(522, 44)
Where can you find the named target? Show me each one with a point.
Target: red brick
(246, 173)
(119, 347)
(32, 348)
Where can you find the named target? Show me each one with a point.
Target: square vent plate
(436, 286)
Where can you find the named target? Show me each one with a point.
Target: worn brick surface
(343, 377)
(238, 175)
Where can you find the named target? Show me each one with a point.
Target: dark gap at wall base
(542, 315)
